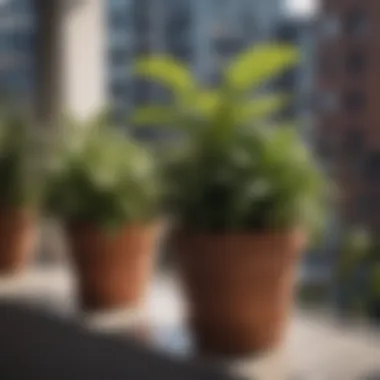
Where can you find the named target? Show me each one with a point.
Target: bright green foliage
(258, 65)
(236, 170)
(22, 171)
(102, 177)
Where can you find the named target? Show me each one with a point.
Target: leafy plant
(22, 167)
(358, 270)
(103, 177)
(356, 248)
(235, 170)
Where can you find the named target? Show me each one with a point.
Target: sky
(301, 7)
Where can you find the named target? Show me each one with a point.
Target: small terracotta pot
(113, 268)
(239, 287)
(18, 235)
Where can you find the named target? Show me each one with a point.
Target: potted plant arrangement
(21, 188)
(106, 192)
(245, 192)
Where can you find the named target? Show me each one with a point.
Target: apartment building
(348, 116)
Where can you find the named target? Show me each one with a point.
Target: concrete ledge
(318, 346)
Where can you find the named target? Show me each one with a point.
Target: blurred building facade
(299, 80)
(348, 136)
(205, 34)
(17, 49)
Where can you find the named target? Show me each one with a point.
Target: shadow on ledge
(38, 346)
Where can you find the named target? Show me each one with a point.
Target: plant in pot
(21, 188)
(106, 192)
(245, 194)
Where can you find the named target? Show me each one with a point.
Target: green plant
(235, 170)
(356, 248)
(22, 168)
(358, 271)
(103, 177)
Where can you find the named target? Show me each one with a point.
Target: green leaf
(108, 180)
(258, 109)
(376, 281)
(227, 174)
(154, 115)
(168, 72)
(260, 64)
(208, 102)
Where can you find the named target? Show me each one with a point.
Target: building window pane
(353, 141)
(119, 89)
(330, 26)
(356, 62)
(356, 23)
(354, 101)
(327, 102)
(328, 66)
(371, 168)
(119, 57)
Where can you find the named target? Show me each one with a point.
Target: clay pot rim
(30, 214)
(76, 225)
(243, 234)
(294, 236)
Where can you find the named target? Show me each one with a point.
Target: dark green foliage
(103, 177)
(22, 167)
(358, 271)
(235, 170)
(257, 180)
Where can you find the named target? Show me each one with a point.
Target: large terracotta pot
(17, 239)
(113, 268)
(239, 287)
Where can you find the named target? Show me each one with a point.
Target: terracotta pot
(239, 287)
(113, 269)
(17, 239)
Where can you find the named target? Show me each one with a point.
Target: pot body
(239, 287)
(113, 268)
(18, 235)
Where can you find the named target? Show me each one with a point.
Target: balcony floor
(317, 346)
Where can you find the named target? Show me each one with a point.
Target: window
(356, 62)
(117, 20)
(353, 141)
(328, 66)
(215, 78)
(178, 25)
(118, 5)
(141, 91)
(119, 89)
(356, 23)
(24, 42)
(21, 6)
(288, 79)
(119, 57)
(354, 101)
(228, 46)
(327, 102)
(141, 18)
(183, 53)
(371, 168)
(142, 46)
(330, 26)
